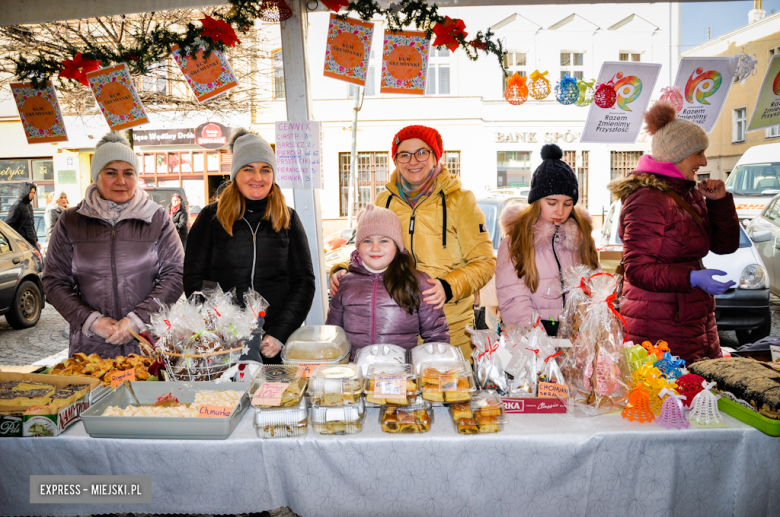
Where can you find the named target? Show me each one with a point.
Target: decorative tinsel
(516, 90)
(274, 11)
(566, 91)
(586, 93)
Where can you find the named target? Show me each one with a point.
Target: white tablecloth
(540, 465)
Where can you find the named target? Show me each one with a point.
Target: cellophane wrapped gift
(576, 291)
(595, 368)
(521, 368)
(488, 366)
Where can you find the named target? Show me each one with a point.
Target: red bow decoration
(611, 303)
(447, 32)
(335, 5)
(480, 45)
(489, 349)
(584, 287)
(556, 354)
(78, 67)
(219, 30)
(534, 350)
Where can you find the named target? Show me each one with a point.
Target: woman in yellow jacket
(444, 229)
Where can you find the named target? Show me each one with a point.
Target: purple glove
(704, 281)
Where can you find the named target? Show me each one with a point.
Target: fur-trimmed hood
(624, 187)
(544, 230)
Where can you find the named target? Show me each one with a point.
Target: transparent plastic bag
(577, 295)
(488, 366)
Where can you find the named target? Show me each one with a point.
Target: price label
(305, 369)
(120, 377)
(549, 390)
(209, 411)
(390, 384)
(269, 394)
(41, 410)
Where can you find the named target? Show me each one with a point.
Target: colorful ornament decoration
(704, 407)
(516, 90)
(690, 386)
(636, 357)
(335, 5)
(655, 386)
(671, 366)
(743, 66)
(672, 414)
(586, 92)
(605, 95)
(638, 407)
(566, 91)
(540, 85)
(607, 376)
(78, 67)
(274, 11)
(219, 30)
(673, 95)
(448, 31)
(658, 349)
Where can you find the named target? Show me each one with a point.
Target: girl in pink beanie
(378, 301)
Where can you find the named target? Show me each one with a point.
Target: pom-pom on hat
(674, 139)
(248, 147)
(374, 220)
(427, 134)
(112, 147)
(553, 177)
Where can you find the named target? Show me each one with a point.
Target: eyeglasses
(420, 154)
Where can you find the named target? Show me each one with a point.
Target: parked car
(755, 179)
(162, 196)
(338, 239)
(764, 230)
(21, 291)
(743, 308)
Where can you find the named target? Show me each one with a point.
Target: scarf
(139, 207)
(412, 194)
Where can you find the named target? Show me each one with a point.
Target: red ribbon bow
(219, 30)
(584, 286)
(78, 67)
(534, 350)
(168, 323)
(556, 354)
(611, 304)
(216, 311)
(489, 349)
(447, 32)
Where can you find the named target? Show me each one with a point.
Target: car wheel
(26, 308)
(751, 336)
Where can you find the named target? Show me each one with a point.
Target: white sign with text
(704, 84)
(298, 155)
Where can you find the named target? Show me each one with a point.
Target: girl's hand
(435, 295)
(334, 281)
(712, 189)
(270, 346)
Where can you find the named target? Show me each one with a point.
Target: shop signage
(212, 135)
(548, 137)
(704, 83)
(177, 136)
(14, 170)
(66, 177)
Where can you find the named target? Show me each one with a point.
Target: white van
(755, 180)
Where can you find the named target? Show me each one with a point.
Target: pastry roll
(490, 411)
(461, 411)
(456, 396)
(467, 426)
(487, 424)
(433, 395)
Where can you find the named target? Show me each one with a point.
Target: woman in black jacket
(179, 216)
(250, 238)
(20, 216)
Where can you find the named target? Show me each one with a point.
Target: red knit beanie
(427, 134)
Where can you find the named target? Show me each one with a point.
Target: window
(438, 81)
(14, 172)
(702, 177)
(773, 213)
(772, 131)
(452, 161)
(623, 163)
(514, 169)
(156, 81)
(278, 69)
(370, 81)
(570, 158)
(372, 175)
(630, 56)
(572, 64)
(739, 119)
(5, 246)
(514, 62)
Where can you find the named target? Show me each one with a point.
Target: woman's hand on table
(104, 327)
(435, 295)
(335, 278)
(712, 189)
(121, 334)
(270, 346)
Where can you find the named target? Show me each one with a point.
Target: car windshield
(755, 179)
(744, 240)
(491, 220)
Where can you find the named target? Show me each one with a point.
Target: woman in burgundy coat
(668, 293)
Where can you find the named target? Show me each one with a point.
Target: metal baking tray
(171, 428)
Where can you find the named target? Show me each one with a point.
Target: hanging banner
(404, 62)
(348, 49)
(208, 77)
(115, 94)
(767, 111)
(298, 155)
(620, 124)
(40, 113)
(704, 83)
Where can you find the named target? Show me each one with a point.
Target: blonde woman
(250, 238)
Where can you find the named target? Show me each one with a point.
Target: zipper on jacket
(373, 310)
(560, 273)
(254, 250)
(115, 283)
(411, 236)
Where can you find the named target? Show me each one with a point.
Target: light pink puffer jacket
(515, 300)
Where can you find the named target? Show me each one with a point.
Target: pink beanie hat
(374, 220)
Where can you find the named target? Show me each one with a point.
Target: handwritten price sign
(553, 391)
(390, 384)
(120, 377)
(305, 369)
(41, 410)
(209, 411)
(270, 393)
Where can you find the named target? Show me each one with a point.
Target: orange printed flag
(40, 113)
(208, 77)
(348, 50)
(404, 62)
(117, 98)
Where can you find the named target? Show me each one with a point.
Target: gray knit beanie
(674, 139)
(112, 147)
(248, 147)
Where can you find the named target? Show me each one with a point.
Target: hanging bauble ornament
(540, 86)
(274, 11)
(516, 90)
(743, 66)
(566, 91)
(673, 95)
(586, 93)
(605, 95)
